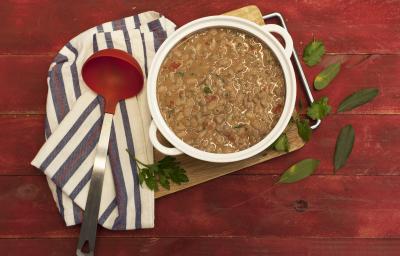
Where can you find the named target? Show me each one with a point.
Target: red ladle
(115, 75)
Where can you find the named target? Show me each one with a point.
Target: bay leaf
(324, 78)
(344, 146)
(299, 171)
(357, 99)
(313, 52)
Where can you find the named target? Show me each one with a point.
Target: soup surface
(221, 90)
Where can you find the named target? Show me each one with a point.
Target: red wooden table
(356, 212)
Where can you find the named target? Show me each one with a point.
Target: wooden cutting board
(201, 171)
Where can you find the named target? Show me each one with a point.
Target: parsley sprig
(319, 109)
(313, 52)
(160, 173)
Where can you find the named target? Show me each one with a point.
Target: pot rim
(234, 23)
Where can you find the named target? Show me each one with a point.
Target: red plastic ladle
(115, 75)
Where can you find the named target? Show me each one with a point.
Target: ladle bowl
(113, 74)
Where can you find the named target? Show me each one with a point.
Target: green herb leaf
(141, 177)
(239, 126)
(151, 184)
(319, 109)
(323, 79)
(180, 73)
(207, 90)
(313, 53)
(164, 182)
(299, 171)
(304, 129)
(344, 145)
(282, 143)
(162, 172)
(358, 98)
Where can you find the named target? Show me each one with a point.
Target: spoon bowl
(113, 74)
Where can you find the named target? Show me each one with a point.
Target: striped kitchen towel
(73, 123)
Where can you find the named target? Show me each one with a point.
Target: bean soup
(221, 90)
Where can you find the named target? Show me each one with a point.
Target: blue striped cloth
(73, 123)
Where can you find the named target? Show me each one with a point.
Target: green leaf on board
(282, 143)
(357, 99)
(319, 109)
(304, 129)
(313, 52)
(324, 78)
(299, 171)
(344, 145)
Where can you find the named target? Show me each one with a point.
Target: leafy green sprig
(160, 173)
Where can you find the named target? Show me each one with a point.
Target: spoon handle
(91, 214)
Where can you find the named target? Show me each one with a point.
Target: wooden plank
(359, 72)
(21, 138)
(226, 216)
(375, 150)
(238, 206)
(26, 93)
(376, 139)
(202, 171)
(24, 86)
(250, 12)
(346, 27)
(232, 246)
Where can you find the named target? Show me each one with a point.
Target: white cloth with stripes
(74, 118)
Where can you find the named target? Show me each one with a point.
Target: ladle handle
(91, 214)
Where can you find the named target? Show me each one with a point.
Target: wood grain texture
(201, 171)
(23, 87)
(37, 27)
(226, 246)
(20, 139)
(231, 206)
(239, 214)
(25, 94)
(376, 139)
(250, 12)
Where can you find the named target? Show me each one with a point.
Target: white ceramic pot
(263, 33)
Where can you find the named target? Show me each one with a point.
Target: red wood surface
(233, 206)
(209, 246)
(375, 141)
(27, 93)
(356, 212)
(348, 27)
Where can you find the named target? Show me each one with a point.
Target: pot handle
(161, 148)
(284, 34)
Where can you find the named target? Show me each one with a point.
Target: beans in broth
(221, 90)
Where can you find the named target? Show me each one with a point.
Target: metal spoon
(115, 75)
